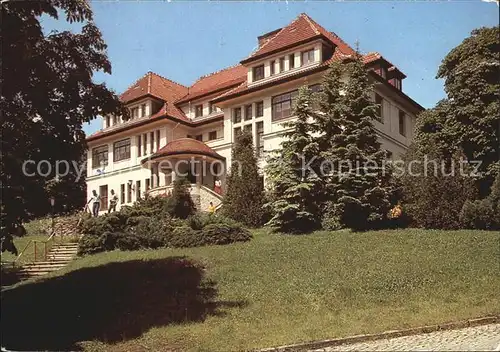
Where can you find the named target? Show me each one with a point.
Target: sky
(183, 40)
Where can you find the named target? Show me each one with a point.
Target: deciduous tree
(47, 94)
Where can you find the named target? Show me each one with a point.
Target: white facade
(216, 126)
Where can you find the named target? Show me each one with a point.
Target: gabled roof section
(215, 82)
(338, 56)
(152, 84)
(300, 30)
(184, 147)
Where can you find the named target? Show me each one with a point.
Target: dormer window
(307, 57)
(383, 72)
(282, 64)
(212, 108)
(272, 66)
(143, 110)
(291, 61)
(258, 73)
(134, 112)
(198, 110)
(396, 82)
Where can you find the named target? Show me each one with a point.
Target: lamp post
(52, 203)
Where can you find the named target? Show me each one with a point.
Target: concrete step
(43, 267)
(62, 255)
(63, 251)
(46, 263)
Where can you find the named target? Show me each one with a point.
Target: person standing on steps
(113, 201)
(211, 208)
(218, 186)
(95, 200)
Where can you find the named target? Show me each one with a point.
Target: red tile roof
(184, 146)
(217, 81)
(337, 56)
(303, 28)
(155, 85)
(232, 80)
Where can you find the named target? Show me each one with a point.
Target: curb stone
(384, 335)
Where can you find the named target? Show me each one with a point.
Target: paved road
(479, 338)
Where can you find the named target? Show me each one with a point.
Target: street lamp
(52, 203)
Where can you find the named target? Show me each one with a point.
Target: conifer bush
(244, 199)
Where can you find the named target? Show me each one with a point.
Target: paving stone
(478, 338)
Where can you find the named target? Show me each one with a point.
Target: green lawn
(271, 291)
(35, 230)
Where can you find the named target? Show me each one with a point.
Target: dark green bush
(148, 224)
(219, 233)
(185, 236)
(483, 214)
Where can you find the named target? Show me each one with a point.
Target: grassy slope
(35, 230)
(289, 289)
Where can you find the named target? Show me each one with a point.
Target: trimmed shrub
(185, 236)
(224, 234)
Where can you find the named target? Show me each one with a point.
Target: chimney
(264, 38)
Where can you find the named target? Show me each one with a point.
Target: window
(139, 146)
(259, 142)
(114, 120)
(143, 110)
(100, 156)
(198, 110)
(380, 109)
(199, 137)
(282, 105)
(108, 121)
(157, 140)
(122, 193)
(103, 194)
(402, 123)
(248, 112)
(237, 132)
(291, 61)
(121, 150)
(248, 128)
(151, 142)
(315, 89)
(129, 192)
(396, 82)
(137, 190)
(212, 135)
(145, 144)
(272, 67)
(134, 112)
(282, 64)
(147, 183)
(236, 115)
(307, 57)
(212, 108)
(383, 72)
(259, 109)
(258, 73)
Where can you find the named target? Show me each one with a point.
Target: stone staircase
(58, 257)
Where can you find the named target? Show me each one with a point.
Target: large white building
(173, 125)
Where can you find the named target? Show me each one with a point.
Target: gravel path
(479, 338)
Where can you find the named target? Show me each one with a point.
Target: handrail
(24, 249)
(34, 242)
